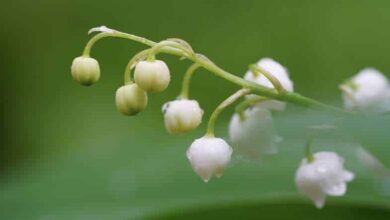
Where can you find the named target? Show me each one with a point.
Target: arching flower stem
(227, 102)
(185, 89)
(210, 66)
(248, 103)
(274, 81)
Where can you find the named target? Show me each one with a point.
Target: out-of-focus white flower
(102, 29)
(209, 156)
(280, 73)
(371, 162)
(182, 115)
(254, 134)
(152, 76)
(85, 70)
(323, 176)
(368, 90)
(130, 99)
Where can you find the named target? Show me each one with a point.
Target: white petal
(370, 161)
(336, 190)
(348, 176)
(204, 175)
(255, 135)
(102, 29)
(319, 202)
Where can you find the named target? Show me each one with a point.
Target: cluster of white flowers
(251, 132)
(251, 129)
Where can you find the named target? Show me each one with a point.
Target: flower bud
(368, 90)
(152, 76)
(130, 99)
(209, 156)
(182, 115)
(323, 176)
(253, 134)
(85, 70)
(280, 73)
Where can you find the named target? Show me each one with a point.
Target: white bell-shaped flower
(152, 76)
(209, 156)
(130, 99)
(323, 176)
(369, 90)
(253, 134)
(280, 73)
(85, 70)
(182, 115)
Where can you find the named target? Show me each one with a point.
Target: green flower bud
(130, 99)
(85, 70)
(152, 76)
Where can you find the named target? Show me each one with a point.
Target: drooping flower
(371, 162)
(209, 156)
(323, 176)
(85, 70)
(152, 76)
(182, 115)
(130, 99)
(369, 90)
(280, 73)
(253, 133)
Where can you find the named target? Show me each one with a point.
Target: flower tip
(348, 176)
(219, 175)
(205, 180)
(319, 204)
(102, 29)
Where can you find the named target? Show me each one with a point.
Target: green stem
(308, 153)
(240, 109)
(141, 55)
(274, 81)
(230, 100)
(254, 87)
(349, 94)
(156, 48)
(116, 34)
(187, 79)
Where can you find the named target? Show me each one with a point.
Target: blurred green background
(66, 153)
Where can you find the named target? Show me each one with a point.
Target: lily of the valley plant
(265, 88)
